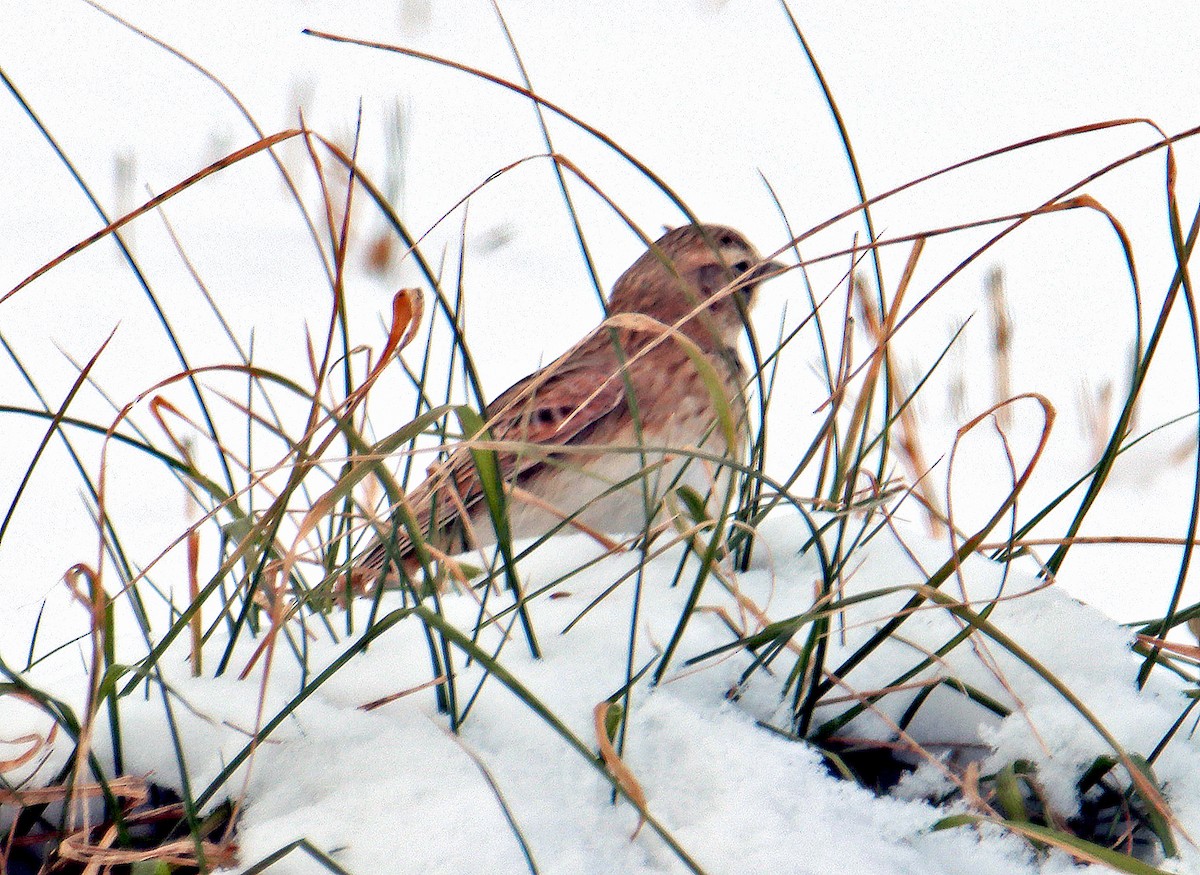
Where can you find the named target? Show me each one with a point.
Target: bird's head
(691, 266)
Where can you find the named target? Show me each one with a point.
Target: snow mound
(393, 789)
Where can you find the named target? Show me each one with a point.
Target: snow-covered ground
(391, 789)
(710, 96)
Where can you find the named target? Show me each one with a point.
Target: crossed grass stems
(280, 569)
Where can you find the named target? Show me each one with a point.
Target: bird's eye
(741, 267)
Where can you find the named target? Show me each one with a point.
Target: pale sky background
(707, 94)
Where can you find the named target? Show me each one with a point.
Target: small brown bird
(602, 434)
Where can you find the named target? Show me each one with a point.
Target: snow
(393, 789)
(708, 98)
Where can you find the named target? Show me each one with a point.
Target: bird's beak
(768, 270)
(748, 281)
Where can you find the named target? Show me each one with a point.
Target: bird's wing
(538, 412)
(558, 409)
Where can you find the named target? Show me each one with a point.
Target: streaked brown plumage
(691, 279)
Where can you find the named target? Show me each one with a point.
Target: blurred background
(717, 99)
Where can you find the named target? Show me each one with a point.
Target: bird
(595, 440)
